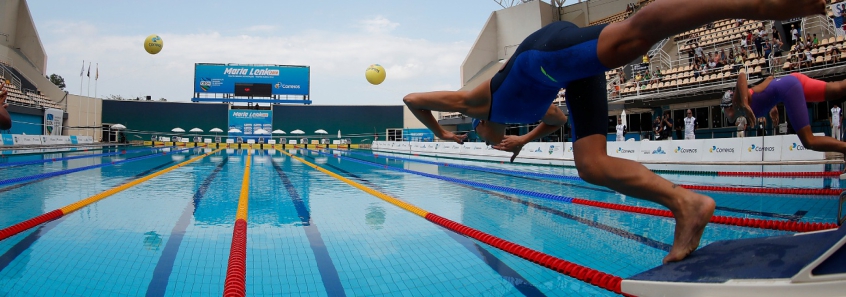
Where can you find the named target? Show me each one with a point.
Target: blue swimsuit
(559, 55)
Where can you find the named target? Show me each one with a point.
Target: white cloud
(337, 61)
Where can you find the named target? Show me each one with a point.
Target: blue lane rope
(68, 171)
(74, 157)
(553, 197)
(491, 170)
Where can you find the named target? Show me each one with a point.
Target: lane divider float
(55, 214)
(122, 152)
(725, 220)
(72, 170)
(579, 272)
(779, 191)
(236, 271)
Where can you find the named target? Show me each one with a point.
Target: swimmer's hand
(453, 137)
(750, 116)
(512, 144)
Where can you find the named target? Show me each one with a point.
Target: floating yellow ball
(153, 44)
(375, 74)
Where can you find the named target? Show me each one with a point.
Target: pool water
(310, 234)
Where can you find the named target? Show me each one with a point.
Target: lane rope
(236, 270)
(122, 152)
(25, 225)
(725, 220)
(734, 189)
(579, 272)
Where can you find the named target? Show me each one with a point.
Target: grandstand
(673, 83)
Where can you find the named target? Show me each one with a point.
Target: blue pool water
(310, 234)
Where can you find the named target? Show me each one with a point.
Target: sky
(421, 44)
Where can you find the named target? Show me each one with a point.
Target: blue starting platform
(804, 264)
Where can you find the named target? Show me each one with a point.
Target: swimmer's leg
(820, 143)
(835, 90)
(622, 42)
(691, 210)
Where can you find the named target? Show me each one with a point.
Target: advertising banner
(27, 139)
(568, 151)
(542, 150)
(53, 121)
(654, 150)
(280, 80)
(417, 135)
(8, 139)
(624, 149)
(685, 151)
(767, 148)
(792, 149)
(722, 150)
(249, 121)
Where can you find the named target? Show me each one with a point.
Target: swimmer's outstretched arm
(622, 42)
(422, 105)
(741, 99)
(551, 122)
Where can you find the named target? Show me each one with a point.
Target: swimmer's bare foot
(692, 215)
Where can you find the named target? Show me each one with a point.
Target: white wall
(84, 112)
(409, 120)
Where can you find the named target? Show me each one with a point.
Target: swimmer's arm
(774, 116)
(422, 105)
(551, 122)
(741, 98)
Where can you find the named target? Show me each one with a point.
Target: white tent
(277, 131)
(196, 130)
(177, 130)
(623, 116)
(234, 130)
(216, 130)
(298, 131)
(321, 131)
(118, 127)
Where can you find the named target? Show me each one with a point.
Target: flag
(97, 72)
(89, 70)
(82, 71)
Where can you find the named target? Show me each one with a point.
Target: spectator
(743, 42)
(776, 34)
(809, 59)
(741, 126)
(667, 126)
(759, 42)
(749, 38)
(697, 70)
(656, 128)
(731, 54)
(836, 120)
(689, 126)
(835, 54)
(638, 77)
(698, 50)
(738, 63)
(794, 35)
(691, 53)
(656, 76)
(739, 22)
(837, 12)
(723, 56)
(645, 60)
(621, 130)
(816, 41)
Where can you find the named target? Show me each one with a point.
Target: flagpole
(80, 77)
(89, 80)
(96, 78)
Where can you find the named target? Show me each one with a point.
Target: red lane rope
(743, 222)
(236, 272)
(784, 191)
(582, 273)
(781, 174)
(22, 226)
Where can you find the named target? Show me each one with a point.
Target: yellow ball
(375, 74)
(153, 44)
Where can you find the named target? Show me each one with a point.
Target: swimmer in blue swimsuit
(794, 91)
(562, 55)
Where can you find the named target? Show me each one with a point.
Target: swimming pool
(309, 234)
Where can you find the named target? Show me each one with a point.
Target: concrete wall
(503, 32)
(583, 13)
(84, 116)
(409, 120)
(21, 46)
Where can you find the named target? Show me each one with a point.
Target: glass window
(822, 111)
(634, 122)
(717, 118)
(701, 115)
(612, 124)
(646, 122)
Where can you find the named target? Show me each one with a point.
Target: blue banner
(221, 78)
(249, 121)
(8, 140)
(417, 135)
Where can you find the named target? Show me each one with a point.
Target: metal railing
(824, 23)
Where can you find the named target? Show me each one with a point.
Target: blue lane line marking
(30, 239)
(794, 217)
(69, 171)
(164, 267)
(506, 272)
(73, 158)
(328, 272)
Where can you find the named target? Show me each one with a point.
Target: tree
(57, 80)
(115, 97)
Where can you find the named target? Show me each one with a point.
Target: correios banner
(249, 121)
(221, 78)
(53, 121)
